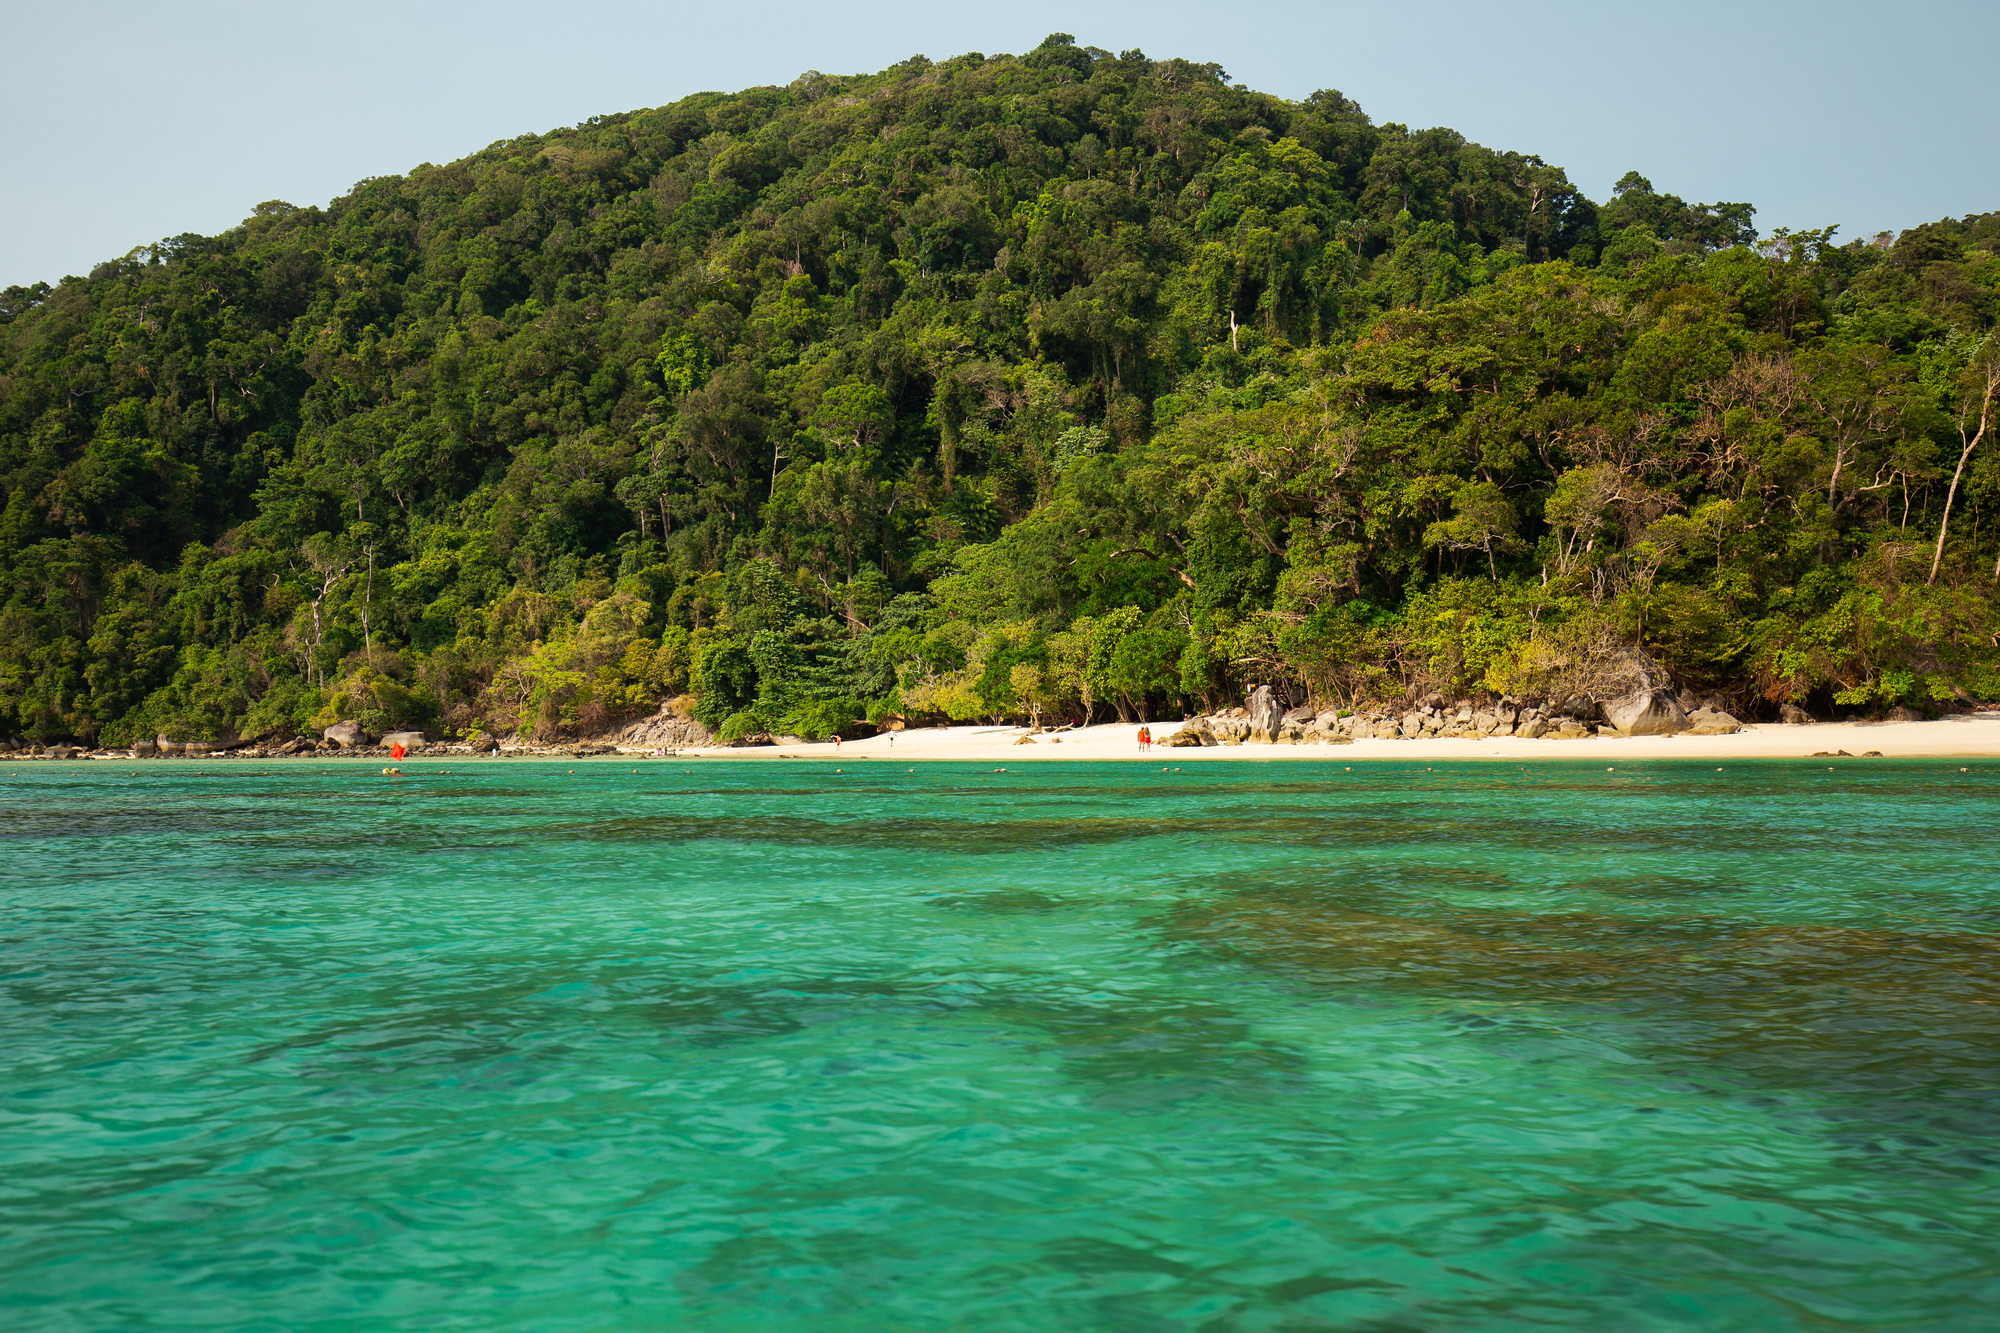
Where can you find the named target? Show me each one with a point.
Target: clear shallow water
(718, 1046)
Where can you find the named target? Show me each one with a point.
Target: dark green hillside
(984, 387)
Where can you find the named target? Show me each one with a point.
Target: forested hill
(990, 387)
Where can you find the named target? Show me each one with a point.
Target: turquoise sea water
(1278, 1047)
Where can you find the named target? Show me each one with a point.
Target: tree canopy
(997, 386)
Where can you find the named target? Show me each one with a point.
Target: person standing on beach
(1145, 739)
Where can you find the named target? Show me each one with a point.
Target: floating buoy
(393, 772)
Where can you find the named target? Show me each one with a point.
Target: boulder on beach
(1712, 722)
(1267, 716)
(1645, 713)
(672, 727)
(347, 734)
(1793, 715)
(409, 740)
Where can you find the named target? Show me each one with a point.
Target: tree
(1981, 380)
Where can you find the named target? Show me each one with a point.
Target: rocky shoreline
(1265, 720)
(670, 729)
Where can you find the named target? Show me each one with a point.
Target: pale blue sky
(128, 122)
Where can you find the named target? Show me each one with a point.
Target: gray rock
(1712, 722)
(1186, 738)
(1793, 715)
(348, 735)
(1532, 728)
(409, 740)
(1646, 713)
(1902, 713)
(1578, 708)
(1266, 717)
(672, 727)
(1228, 728)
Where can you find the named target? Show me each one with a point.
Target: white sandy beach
(1971, 736)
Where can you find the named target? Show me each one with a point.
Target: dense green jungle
(1000, 386)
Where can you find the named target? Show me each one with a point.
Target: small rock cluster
(1264, 720)
(347, 739)
(673, 727)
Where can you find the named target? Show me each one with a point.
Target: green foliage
(1065, 383)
